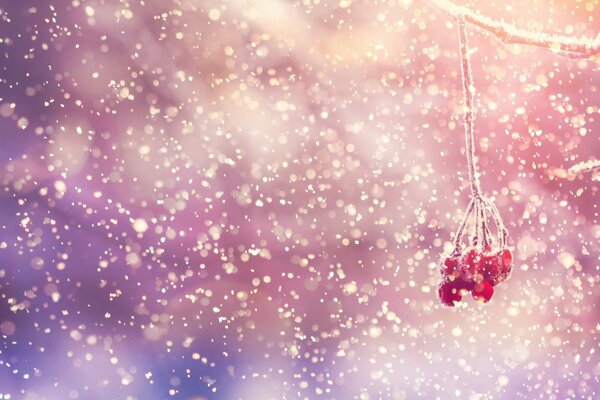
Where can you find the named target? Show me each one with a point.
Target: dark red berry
(504, 261)
(490, 267)
(471, 263)
(465, 284)
(449, 292)
(483, 291)
(506, 256)
(450, 266)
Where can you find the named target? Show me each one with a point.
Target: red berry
(506, 259)
(483, 291)
(450, 266)
(471, 263)
(449, 292)
(490, 267)
(473, 271)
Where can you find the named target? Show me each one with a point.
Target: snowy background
(248, 200)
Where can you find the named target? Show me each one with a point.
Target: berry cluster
(473, 271)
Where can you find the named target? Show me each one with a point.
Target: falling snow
(250, 199)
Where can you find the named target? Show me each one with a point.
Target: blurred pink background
(248, 200)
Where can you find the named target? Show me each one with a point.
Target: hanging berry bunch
(486, 261)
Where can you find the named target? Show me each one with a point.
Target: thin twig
(485, 228)
(469, 117)
(460, 232)
(502, 231)
(475, 237)
(567, 46)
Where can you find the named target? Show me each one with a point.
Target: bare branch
(571, 47)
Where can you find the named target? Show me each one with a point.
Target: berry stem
(476, 236)
(460, 232)
(469, 120)
(485, 230)
(477, 210)
(502, 232)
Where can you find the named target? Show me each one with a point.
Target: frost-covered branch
(469, 116)
(585, 166)
(480, 209)
(571, 47)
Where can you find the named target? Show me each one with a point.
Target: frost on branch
(592, 166)
(565, 45)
